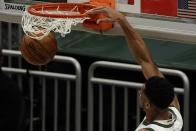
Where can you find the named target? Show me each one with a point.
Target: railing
(92, 79)
(43, 75)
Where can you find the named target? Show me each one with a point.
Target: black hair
(159, 91)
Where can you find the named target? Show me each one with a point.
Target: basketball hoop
(40, 19)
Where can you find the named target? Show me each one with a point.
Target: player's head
(158, 92)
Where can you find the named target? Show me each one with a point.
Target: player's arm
(142, 54)
(139, 49)
(135, 43)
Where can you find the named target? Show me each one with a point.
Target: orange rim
(36, 8)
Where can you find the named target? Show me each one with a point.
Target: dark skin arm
(135, 43)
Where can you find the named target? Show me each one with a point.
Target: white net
(37, 27)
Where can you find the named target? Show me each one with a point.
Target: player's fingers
(105, 20)
(100, 9)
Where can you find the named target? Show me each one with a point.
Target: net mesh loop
(38, 27)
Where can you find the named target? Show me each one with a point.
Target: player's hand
(112, 14)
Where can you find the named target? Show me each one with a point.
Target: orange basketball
(38, 52)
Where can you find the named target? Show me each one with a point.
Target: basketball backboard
(149, 25)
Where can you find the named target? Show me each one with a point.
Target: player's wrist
(121, 19)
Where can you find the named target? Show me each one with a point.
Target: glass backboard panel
(150, 22)
(172, 10)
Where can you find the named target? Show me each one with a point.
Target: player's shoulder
(146, 129)
(142, 130)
